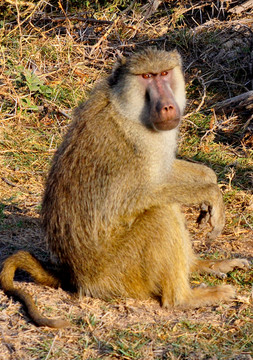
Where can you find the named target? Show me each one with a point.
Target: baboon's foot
(220, 267)
(225, 266)
(203, 296)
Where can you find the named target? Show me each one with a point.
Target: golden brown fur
(111, 208)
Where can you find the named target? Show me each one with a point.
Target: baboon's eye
(164, 73)
(146, 76)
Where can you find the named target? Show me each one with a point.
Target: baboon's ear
(122, 60)
(118, 71)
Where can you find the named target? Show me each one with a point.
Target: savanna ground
(51, 55)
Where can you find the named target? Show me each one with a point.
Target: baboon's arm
(189, 172)
(186, 172)
(137, 201)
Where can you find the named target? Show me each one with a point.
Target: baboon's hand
(215, 217)
(204, 215)
(213, 213)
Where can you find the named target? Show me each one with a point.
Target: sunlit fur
(111, 207)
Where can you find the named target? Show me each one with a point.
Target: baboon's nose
(169, 112)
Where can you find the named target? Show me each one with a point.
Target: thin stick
(104, 37)
(51, 348)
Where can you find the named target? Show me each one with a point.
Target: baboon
(111, 207)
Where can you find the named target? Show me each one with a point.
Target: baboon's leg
(164, 259)
(144, 261)
(219, 267)
(160, 258)
(183, 255)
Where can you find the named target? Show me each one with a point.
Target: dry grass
(50, 58)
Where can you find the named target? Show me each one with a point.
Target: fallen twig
(8, 182)
(241, 8)
(242, 101)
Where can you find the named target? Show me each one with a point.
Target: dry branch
(150, 8)
(77, 18)
(242, 101)
(247, 5)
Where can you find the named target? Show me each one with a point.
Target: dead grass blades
(51, 53)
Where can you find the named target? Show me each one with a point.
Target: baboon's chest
(161, 156)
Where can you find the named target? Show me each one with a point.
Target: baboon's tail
(25, 261)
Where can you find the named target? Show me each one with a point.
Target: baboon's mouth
(166, 124)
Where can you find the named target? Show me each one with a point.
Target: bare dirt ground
(122, 328)
(50, 57)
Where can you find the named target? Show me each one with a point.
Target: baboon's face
(150, 91)
(161, 111)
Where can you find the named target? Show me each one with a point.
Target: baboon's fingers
(219, 274)
(214, 233)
